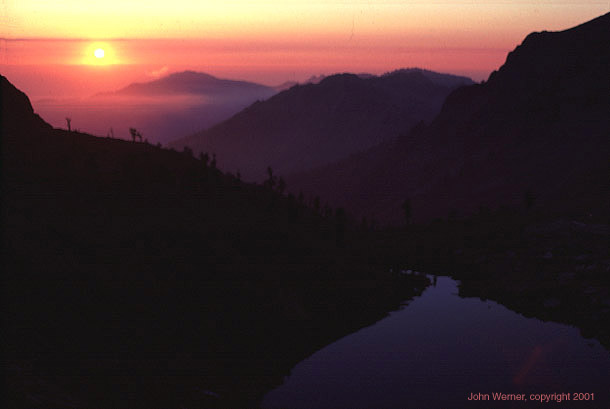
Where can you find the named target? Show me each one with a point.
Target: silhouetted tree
(134, 133)
(69, 121)
(188, 151)
(213, 163)
(281, 185)
(270, 182)
(316, 204)
(406, 207)
(205, 158)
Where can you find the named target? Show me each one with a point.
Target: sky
(47, 46)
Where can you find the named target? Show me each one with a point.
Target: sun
(100, 53)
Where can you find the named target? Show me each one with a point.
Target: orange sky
(265, 41)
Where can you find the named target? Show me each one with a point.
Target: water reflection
(438, 351)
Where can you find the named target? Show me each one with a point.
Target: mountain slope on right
(538, 131)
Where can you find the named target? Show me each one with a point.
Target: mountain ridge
(16, 111)
(191, 82)
(313, 124)
(539, 124)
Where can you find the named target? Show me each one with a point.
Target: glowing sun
(100, 53)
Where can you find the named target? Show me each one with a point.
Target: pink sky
(46, 48)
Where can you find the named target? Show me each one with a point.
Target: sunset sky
(47, 46)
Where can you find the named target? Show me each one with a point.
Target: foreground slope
(140, 277)
(538, 128)
(314, 124)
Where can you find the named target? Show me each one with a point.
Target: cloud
(158, 73)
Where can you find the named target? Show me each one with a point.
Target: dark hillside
(508, 189)
(140, 277)
(540, 124)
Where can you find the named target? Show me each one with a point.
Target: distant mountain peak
(189, 74)
(448, 80)
(315, 79)
(192, 82)
(343, 77)
(406, 70)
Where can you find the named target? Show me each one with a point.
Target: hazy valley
(163, 109)
(318, 123)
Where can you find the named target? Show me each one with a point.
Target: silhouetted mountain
(164, 109)
(285, 85)
(134, 276)
(16, 112)
(314, 79)
(198, 83)
(539, 127)
(311, 125)
(451, 81)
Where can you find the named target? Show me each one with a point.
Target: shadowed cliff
(539, 127)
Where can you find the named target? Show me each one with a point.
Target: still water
(439, 350)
